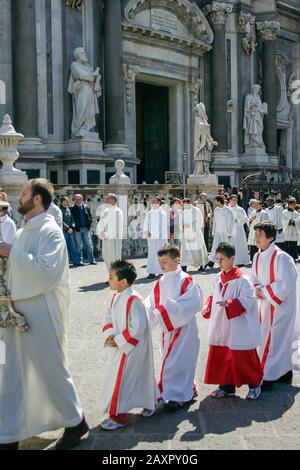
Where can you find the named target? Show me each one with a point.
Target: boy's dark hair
(186, 200)
(220, 199)
(124, 270)
(170, 250)
(42, 187)
(268, 228)
(226, 249)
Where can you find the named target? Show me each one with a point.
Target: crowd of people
(254, 323)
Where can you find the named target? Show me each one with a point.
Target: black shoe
(72, 436)
(151, 276)
(210, 265)
(77, 265)
(267, 385)
(201, 269)
(12, 446)
(173, 406)
(286, 378)
(184, 268)
(93, 263)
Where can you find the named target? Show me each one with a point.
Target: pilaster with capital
(268, 31)
(217, 13)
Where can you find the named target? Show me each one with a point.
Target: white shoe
(148, 413)
(219, 393)
(110, 425)
(253, 393)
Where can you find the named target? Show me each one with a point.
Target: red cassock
(234, 332)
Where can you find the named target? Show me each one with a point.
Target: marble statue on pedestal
(254, 120)
(119, 178)
(85, 88)
(204, 143)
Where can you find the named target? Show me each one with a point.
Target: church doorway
(152, 132)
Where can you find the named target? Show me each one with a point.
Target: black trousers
(253, 250)
(292, 249)
(206, 236)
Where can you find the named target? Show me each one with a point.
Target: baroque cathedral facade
(158, 59)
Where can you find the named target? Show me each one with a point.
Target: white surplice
(173, 304)
(193, 248)
(37, 393)
(223, 229)
(110, 231)
(274, 271)
(290, 231)
(129, 382)
(156, 225)
(240, 239)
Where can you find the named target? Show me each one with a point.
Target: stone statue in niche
(204, 143)
(253, 125)
(85, 88)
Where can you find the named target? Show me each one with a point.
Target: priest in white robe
(110, 231)
(156, 232)
(275, 277)
(193, 248)
(223, 227)
(240, 239)
(37, 393)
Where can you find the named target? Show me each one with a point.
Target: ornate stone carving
(268, 29)
(195, 88)
(188, 15)
(75, 4)
(246, 23)
(129, 78)
(246, 20)
(218, 12)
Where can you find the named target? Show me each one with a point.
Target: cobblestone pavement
(272, 422)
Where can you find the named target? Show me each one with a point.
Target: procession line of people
(253, 327)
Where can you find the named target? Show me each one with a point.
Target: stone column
(114, 88)
(217, 14)
(25, 67)
(268, 31)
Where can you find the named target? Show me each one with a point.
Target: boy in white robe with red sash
(173, 305)
(234, 330)
(129, 381)
(275, 277)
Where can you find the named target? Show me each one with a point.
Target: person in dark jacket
(68, 230)
(83, 221)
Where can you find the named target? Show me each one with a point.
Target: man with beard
(37, 393)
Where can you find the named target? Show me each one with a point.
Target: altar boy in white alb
(129, 381)
(234, 330)
(173, 305)
(275, 277)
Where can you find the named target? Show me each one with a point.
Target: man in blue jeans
(68, 230)
(83, 221)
